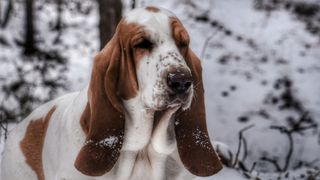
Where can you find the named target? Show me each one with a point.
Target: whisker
(194, 90)
(194, 95)
(194, 86)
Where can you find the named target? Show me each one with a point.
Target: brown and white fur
(128, 123)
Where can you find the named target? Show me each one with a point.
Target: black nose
(179, 81)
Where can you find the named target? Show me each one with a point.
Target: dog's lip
(178, 98)
(172, 108)
(175, 102)
(170, 104)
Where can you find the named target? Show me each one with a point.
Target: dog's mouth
(172, 100)
(183, 99)
(178, 98)
(168, 99)
(160, 113)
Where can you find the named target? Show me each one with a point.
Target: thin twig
(253, 167)
(291, 148)
(245, 149)
(206, 43)
(236, 160)
(3, 123)
(272, 161)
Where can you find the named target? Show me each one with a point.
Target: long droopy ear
(194, 146)
(113, 78)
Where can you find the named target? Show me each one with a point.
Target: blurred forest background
(261, 61)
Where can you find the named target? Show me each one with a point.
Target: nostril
(179, 82)
(175, 85)
(187, 84)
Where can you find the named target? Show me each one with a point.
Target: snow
(242, 63)
(108, 142)
(201, 138)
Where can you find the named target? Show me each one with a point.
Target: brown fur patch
(32, 143)
(180, 35)
(152, 9)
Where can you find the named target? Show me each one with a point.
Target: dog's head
(149, 56)
(159, 50)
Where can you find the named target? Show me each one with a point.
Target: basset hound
(142, 116)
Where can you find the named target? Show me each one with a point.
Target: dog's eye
(144, 44)
(182, 44)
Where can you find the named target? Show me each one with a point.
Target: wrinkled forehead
(152, 19)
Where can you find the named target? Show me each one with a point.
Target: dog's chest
(143, 167)
(149, 164)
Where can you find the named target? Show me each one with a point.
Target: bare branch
(272, 161)
(3, 124)
(290, 151)
(245, 149)
(206, 43)
(253, 167)
(236, 160)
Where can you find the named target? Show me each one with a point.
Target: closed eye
(144, 44)
(182, 44)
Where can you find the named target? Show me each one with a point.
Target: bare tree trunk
(0, 11)
(29, 43)
(58, 26)
(133, 4)
(7, 14)
(110, 12)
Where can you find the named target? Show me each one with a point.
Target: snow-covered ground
(261, 69)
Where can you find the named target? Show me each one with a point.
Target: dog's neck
(138, 125)
(149, 141)
(145, 126)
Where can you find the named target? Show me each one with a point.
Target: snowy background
(261, 62)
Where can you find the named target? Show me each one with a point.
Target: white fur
(163, 140)
(148, 152)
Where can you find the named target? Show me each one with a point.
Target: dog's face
(164, 79)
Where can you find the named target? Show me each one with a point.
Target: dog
(142, 115)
